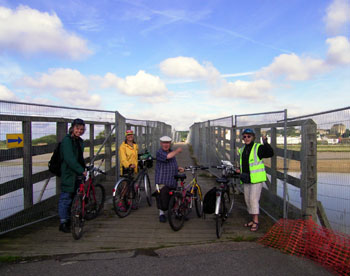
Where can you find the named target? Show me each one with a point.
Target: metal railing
(310, 172)
(28, 191)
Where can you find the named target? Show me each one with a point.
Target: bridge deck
(140, 230)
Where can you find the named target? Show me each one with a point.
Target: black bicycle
(224, 199)
(128, 191)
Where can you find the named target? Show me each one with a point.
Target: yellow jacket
(128, 156)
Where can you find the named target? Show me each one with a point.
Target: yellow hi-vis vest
(256, 165)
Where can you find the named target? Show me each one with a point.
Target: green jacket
(70, 166)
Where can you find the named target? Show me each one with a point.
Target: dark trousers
(163, 198)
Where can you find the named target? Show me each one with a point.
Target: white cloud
(338, 15)
(30, 31)
(189, 68)
(141, 84)
(293, 67)
(339, 50)
(66, 84)
(6, 94)
(244, 89)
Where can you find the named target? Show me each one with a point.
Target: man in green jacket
(73, 165)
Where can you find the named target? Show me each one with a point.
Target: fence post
(273, 186)
(116, 141)
(92, 144)
(27, 164)
(61, 131)
(108, 149)
(308, 163)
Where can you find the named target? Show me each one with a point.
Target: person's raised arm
(173, 153)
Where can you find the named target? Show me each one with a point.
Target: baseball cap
(129, 132)
(165, 139)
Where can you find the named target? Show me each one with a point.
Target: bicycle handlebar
(190, 168)
(92, 168)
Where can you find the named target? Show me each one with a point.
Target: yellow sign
(14, 140)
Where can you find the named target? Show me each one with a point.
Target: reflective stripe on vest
(256, 166)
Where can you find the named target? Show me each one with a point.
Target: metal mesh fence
(333, 165)
(312, 159)
(28, 191)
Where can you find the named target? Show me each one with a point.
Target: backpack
(209, 201)
(55, 161)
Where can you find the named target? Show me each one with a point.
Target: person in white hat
(166, 169)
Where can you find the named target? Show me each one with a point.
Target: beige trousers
(252, 194)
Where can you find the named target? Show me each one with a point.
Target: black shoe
(162, 218)
(64, 228)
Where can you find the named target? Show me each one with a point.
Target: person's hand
(237, 170)
(181, 169)
(132, 166)
(178, 150)
(85, 173)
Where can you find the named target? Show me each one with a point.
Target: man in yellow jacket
(128, 152)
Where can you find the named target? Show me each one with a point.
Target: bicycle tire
(77, 217)
(176, 212)
(198, 201)
(229, 201)
(148, 189)
(121, 198)
(95, 203)
(136, 196)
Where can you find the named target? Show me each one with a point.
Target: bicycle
(87, 203)
(181, 199)
(127, 192)
(224, 201)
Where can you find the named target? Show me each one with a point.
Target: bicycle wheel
(229, 201)
(136, 196)
(95, 201)
(148, 189)
(77, 217)
(220, 217)
(122, 198)
(176, 212)
(198, 201)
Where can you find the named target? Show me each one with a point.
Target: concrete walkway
(141, 230)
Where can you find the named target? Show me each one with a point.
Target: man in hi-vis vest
(253, 173)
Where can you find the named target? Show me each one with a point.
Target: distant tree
(101, 135)
(48, 139)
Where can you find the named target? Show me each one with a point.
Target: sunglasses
(246, 136)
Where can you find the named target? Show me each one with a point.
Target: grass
(244, 239)
(10, 259)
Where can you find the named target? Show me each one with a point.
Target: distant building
(338, 129)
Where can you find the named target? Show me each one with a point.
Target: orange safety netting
(307, 239)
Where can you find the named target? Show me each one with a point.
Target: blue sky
(177, 61)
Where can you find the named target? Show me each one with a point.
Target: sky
(179, 62)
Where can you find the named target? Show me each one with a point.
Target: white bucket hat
(165, 139)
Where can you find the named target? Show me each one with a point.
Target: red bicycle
(87, 203)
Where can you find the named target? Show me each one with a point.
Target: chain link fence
(310, 172)
(28, 191)
(333, 166)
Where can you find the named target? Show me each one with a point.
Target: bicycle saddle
(222, 180)
(180, 176)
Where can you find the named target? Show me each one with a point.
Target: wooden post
(92, 142)
(27, 164)
(273, 186)
(61, 131)
(108, 149)
(308, 163)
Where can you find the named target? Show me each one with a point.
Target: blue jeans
(64, 206)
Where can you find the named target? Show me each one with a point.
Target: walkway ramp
(140, 230)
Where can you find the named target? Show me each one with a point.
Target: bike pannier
(209, 201)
